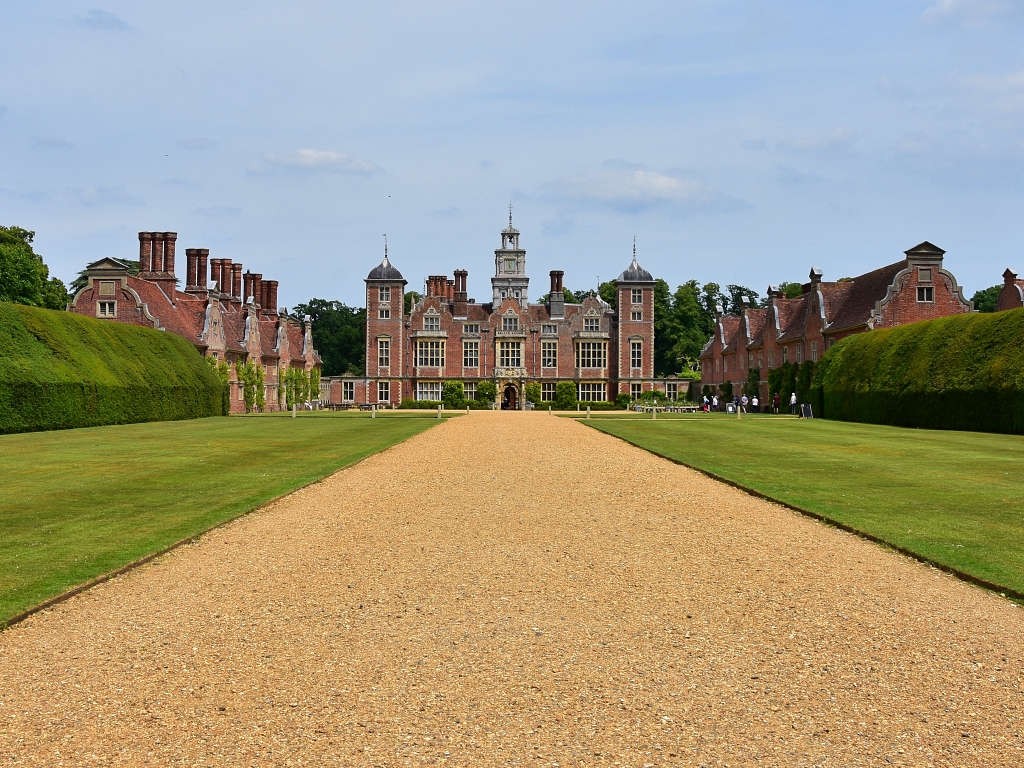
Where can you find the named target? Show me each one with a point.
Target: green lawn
(75, 504)
(956, 498)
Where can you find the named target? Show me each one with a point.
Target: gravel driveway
(518, 589)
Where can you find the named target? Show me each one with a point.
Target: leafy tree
(567, 296)
(565, 396)
(711, 297)
(985, 300)
(803, 381)
(579, 296)
(791, 290)
(453, 394)
(411, 297)
(665, 330)
(314, 383)
(610, 295)
(296, 385)
(339, 335)
(532, 393)
(246, 373)
(727, 391)
(753, 382)
(623, 400)
(740, 298)
(486, 391)
(24, 278)
(224, 374)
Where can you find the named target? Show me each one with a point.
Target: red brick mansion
(507, 340)
(226, 314)
(802, 328)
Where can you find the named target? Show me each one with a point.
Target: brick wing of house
(802, 328)
(508, 340)
(224, 313)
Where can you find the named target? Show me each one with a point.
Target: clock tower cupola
(510, 280)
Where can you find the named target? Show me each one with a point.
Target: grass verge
(76, 504)
(953, 498)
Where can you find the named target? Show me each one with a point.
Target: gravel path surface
(518, 589)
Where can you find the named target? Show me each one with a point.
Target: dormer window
(510, 323)
(431, 322)
(592, 324)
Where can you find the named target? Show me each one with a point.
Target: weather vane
(634, 247)
(510, 213)
(385, 245)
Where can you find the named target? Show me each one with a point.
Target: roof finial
(634, 249)
(385, 247)
(510, 213)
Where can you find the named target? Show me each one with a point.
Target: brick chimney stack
(202, 268)
(145, 252)
(556, 296)
(257, 288)
(449, 290)
(236, 281)
(157, 264)
(169, 240)
(191, 268)
(461, 298)
(271, 296)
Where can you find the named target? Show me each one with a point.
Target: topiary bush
(962, 372)
(60, 370)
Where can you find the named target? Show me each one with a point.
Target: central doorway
(509, 399)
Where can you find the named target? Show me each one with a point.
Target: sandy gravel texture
(518, 589)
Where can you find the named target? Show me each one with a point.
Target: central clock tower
(510, 280)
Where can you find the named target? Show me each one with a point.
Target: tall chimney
(191, 267)
(225, 276)
(257, 288)
(169, 239)
(158, 252)
(202, 273)
(556, 297)
(145, 251)
(236, 281)
(272, 296)
(246, 286)
(450, 290)
(460, 293)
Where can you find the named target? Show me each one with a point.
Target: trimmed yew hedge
(60, 370)
(963, 372)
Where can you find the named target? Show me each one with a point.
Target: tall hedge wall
(962, 372)
(60, 370)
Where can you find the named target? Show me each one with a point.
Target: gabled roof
(755, 319)
(866, 291)
(185, 319)
(107, 263)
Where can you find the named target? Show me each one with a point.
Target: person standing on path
(753, 403)
(743, 404)
(714, 402)
(792, 403)
(705, 403)
(775, 404)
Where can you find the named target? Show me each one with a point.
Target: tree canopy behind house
(24, 278)
(339, 335)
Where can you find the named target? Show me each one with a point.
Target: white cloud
(630, 187)
(197, 143)
(970, 12)
(106, 196)
(51, 142)
(319, 160)
(102, 20)
(838, 141)
(216, 211)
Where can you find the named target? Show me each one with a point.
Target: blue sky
(741, 142)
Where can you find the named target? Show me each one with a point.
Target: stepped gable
(860, 300)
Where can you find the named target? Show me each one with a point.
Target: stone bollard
(467, 410)
(588, 411)
(549, 410)
(293, 410)
(439, 411)
(654, 411)
(373, 411)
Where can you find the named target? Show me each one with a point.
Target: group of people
(749, 405)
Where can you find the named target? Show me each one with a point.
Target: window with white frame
(636, 354)
(785, 355)
(638, 296)
(510, 323)
(428, 390)
(106, 309)
(430, 354)
(384, 313)
(799, 353)
(383, 353)
(635, 390)
(471, 354)
(830, 342)
(814, 351)
(547, 391)
(591, 324)
(591, 354)
(636, 314)
(471, 328)
(383, 391)
(771, 359)
(348, 391)
(672, 390)
(925, 294)
(759, 359)
(469, 388)
(549, 354)
(549, 329)
(384, 293)
(431, 322)
(510, 354)
(593, 392)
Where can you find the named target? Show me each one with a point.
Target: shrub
(753, 382)
(565, 396)
(419, 405)
(727, 391)
(486, 392)
(961, 372)
(532, 393)
(60, 370)
(622, 400)
(453, 394)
